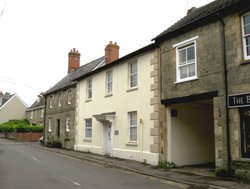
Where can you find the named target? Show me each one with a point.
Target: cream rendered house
(117, 111)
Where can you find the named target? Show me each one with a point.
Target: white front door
(108, 139)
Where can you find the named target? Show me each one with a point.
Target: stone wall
(60, 113)
(29, 136)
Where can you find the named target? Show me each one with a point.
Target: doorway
(58, 128)
(107, 139)
(245, 132)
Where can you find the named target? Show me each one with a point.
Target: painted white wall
(122, 101)
(14, 108)
(192, 135)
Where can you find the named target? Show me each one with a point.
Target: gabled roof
(4, 99)
(202, 15)
(68, 80)
(38, 103)
(7, 98)
(120, 60)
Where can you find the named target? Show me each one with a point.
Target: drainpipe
(223, 37)
(44, 120)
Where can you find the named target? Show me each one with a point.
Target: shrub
(20, 126)
(166, 164)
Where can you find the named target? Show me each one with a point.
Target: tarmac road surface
(24, 167)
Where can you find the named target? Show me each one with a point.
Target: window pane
(246, 19)
(190, 53)
(182, 56)
(247, 29)
(183, 72)
(191, 70)
(133, 68)
(133, 133)
(133, 80)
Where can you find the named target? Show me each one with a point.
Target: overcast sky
(36, 35)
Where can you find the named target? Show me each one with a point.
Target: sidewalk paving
(188, 179)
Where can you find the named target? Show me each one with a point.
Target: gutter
(223, 38)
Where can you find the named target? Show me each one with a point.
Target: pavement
(186, 177)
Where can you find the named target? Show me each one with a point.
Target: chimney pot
(74, 60)
(111, 52)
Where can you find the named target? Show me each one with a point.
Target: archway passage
(191, 132)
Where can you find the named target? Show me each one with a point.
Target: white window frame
(89, 89)
(69, 97)
(31, 114)
(88, 127)
(67, 123)
(184, 45)
(133, 126)
(246, 57)
(109, 82)
(131, 75)
(49, 125)
(42, 113)
(59, 100)
(51, 98)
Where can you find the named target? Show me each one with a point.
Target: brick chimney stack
(111, 52)
(74, 60)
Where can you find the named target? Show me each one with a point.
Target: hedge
(20, 126)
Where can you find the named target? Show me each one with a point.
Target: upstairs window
(42, 113)
(133, 74)
(186, 62)
(51, 102)
(59, 100)
(89, 89)
(246, 35)
(109, 82)
(69, 99)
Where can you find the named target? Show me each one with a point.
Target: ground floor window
(88, 128)
(245, 132)
(132, 126)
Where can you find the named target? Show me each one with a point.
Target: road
(25, 167)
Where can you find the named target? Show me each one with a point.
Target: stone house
(11, 107)
(118, 107)
(205, 87)
(35, 113)
(60, 102)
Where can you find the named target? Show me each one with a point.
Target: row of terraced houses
(185, 98)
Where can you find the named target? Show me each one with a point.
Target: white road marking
(70, 180)
(34, 158)
(77, 184)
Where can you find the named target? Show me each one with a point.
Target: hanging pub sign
(239, 100)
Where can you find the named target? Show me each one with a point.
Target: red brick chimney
(74, 60)
(111, 52)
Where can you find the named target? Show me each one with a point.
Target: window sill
(88, 100)
(186, 80)
(87, 140)
(108, 95)
(132, 89)
(244, 62)
(130, 143)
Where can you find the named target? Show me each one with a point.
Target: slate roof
(68, 80)
(202, 15)
(37, 103)
(5, 99)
